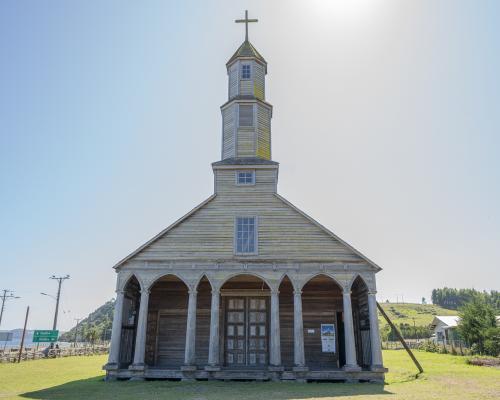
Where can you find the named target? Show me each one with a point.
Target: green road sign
(45, 336)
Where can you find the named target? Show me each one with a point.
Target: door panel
(246, 342)
(235, 332)
(257, 332)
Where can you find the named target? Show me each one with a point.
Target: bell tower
(246, 116)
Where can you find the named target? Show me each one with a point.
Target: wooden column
(298, 330)
(374, 332)
(213, 349)
(140, 338)
(189, 355)
(350, 344)
(116, 331)
(275, 339)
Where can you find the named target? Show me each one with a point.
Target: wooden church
(246, 285)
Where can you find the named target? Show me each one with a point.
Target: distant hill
(101, 320)
(411, 319)
(405, 312)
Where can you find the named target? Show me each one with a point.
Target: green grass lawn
(404, 313)
(445, 377)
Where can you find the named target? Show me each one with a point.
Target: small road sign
(45, 336)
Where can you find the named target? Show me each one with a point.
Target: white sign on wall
(328, 338)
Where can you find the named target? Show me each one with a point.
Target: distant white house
(444, 327)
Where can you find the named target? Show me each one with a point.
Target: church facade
(246, 286)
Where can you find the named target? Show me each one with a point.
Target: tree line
(454, 299)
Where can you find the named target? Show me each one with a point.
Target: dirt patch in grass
(484, 361)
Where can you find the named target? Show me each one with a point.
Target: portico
(226, 323)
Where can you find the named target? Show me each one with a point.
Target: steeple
(246, 116)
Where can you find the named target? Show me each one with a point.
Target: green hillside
(412, 320)
(99, 322)
(405, 313)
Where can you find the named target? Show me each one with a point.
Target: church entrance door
(246, 333)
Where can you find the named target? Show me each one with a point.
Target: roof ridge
(247, 49)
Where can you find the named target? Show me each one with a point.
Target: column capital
(144, 292)
(275, 291)
(193, 292)
(346, 291)
(297, 292)
(120, 291)
(372, 292)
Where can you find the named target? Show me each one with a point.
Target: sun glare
(342, 11)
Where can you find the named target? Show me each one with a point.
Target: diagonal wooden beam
(401, 339)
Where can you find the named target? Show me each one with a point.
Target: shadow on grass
(96, 388)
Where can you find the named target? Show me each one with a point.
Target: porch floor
(364, 375)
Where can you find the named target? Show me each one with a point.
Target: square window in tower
(245, 177)
(245, 71)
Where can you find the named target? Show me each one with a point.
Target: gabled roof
(246, 50)
(449, 320)
(137, 251)
(286, 202)
(326, 230)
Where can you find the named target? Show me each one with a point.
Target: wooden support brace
(401, 339)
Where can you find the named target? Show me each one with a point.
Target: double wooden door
(246, 332)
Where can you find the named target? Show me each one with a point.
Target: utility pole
(24, 334)
(7, 294)
(59, 280)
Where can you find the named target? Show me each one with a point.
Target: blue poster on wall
(328, 338)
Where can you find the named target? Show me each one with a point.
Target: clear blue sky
(386, 125)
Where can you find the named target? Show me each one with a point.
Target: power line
(7, 294)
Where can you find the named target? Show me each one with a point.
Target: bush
(429, 346)
(492, 342)
(477, 318)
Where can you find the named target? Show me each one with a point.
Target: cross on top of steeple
(246, 21)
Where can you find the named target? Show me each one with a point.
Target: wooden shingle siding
(246, 87)
(362, 317)
(286, 323)
(228, 120)
(233, 80)
(321, 301)
(167, 317)
(203, 322)
(265, 182)
(259, 81)
(263, 132)
(246, 142)
(283, 232)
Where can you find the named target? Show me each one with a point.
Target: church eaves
(244, 161)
